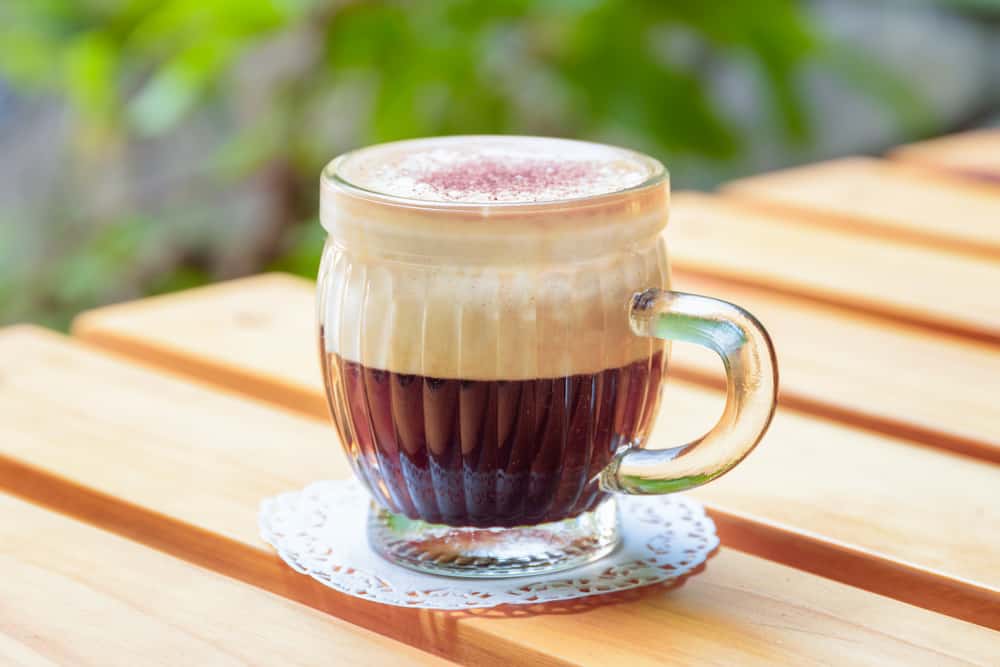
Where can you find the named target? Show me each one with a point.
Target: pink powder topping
(512, 180)
(496, 169)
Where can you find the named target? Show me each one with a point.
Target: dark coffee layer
(489, 453)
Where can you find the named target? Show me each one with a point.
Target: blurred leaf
(102, 262)
(178, 24)
(305, 246)
(90, 74)
(911, 111)
(182, 278)
(250, 149)
(176, 87)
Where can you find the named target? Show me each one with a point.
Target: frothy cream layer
(487, 322)
(506, 291)
(494, 169)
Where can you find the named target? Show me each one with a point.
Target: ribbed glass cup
(483, 372)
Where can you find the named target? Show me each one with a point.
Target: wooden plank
(885, 197)
(975, 154)
(141, 328)
(182, 468)
(833, 361)
(214, 334)
(785, 253)
(75, 595)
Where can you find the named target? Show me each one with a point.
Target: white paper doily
(321, 531)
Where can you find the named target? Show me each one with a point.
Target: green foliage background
(287, 84)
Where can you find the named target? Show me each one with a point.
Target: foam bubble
(495, 169)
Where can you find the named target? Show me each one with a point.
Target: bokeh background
(148, 146)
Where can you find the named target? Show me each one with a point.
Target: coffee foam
(487, 322)
(488, 291)
(493, 169)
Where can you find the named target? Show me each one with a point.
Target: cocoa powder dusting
(494, 169)
(501, 180)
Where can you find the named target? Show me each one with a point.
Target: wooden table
(864, 530)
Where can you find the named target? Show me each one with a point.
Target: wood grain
(182, 468)
(789, 254)
(939, 391)
(74, 595)
(975, 154)
(884, 197)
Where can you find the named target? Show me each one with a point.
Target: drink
(457, 424)
(490, 368)
(491, 453)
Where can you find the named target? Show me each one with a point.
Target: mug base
(491, 553)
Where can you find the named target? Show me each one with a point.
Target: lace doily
(320, 531)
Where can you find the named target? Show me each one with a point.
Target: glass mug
(495, 316)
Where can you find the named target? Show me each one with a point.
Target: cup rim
(331, 178)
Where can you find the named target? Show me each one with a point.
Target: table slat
(182, 468)
(903, 202)
(782, 252)
(975, 154)
(75, 595)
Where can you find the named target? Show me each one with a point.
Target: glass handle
(751, 392)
